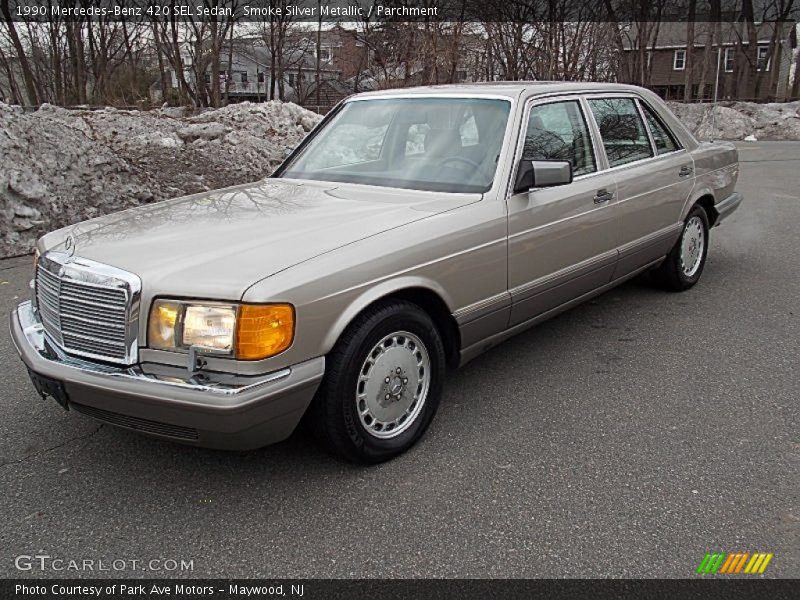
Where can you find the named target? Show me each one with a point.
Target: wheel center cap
(395, 386)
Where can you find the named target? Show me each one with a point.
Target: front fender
(374, 293)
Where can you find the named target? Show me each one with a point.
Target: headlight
(244, 331)
(209, 326)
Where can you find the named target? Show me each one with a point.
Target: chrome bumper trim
(225, 384)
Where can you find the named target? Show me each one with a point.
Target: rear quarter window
(664, 140)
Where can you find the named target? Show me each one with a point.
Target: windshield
(434, 144)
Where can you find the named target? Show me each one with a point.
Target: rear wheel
(382, 384)
(685, 263)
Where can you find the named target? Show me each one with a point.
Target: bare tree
(688, 75)
(27, 74)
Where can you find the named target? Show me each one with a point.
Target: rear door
(654, 176)
(561, 240)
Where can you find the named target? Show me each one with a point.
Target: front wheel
(383, 381)
(687, 259)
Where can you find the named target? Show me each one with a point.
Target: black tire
(670, 274)
(333, 415)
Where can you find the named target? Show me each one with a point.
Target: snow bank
(63, 166)
(739, 120)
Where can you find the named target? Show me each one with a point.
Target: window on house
(244, 76)
(260, 78)
(291, 79)
(762, 60)
(324, 54)
(679, 60)
(207, 77)
(729, 54)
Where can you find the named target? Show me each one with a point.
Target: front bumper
(726, 206)
(233, 412)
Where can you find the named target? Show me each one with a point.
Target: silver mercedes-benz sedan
(409, 232)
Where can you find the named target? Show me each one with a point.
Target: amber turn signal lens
(161, 327)
(263, 330)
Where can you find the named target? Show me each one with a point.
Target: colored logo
(735, 562)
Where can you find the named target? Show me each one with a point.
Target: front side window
(679, 60)
(558, 131)
(662, 137)
(624, 135)
(427, 143)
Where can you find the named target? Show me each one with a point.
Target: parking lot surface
(625, 438)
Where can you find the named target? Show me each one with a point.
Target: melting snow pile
(741, 120)
(63, 166)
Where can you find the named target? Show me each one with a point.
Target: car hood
(216, 244)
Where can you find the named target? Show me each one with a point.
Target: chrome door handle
(685, 171)
(603, 196)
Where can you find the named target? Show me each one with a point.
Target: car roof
(511, 89)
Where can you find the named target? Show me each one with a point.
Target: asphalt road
(625, 438)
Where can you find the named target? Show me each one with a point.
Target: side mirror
(542, 173)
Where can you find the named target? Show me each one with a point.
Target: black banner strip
(382, 11)
(401, 589)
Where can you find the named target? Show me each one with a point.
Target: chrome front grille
(87, 308)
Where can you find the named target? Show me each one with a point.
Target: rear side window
(665, 142)
(624, 136)
(558, 131)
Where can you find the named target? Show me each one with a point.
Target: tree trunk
(230, 64)
(27, 74)
(745, 58)
(55, 63)
(709, 51)
(216, 64)
(162, 72)
(12, 83)
(319, 47)
(689, 64)
(272, 58)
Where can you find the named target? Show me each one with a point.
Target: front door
(561, 241)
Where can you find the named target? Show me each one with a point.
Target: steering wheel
(468, 161)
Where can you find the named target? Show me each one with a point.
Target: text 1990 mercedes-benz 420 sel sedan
(409, 232)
